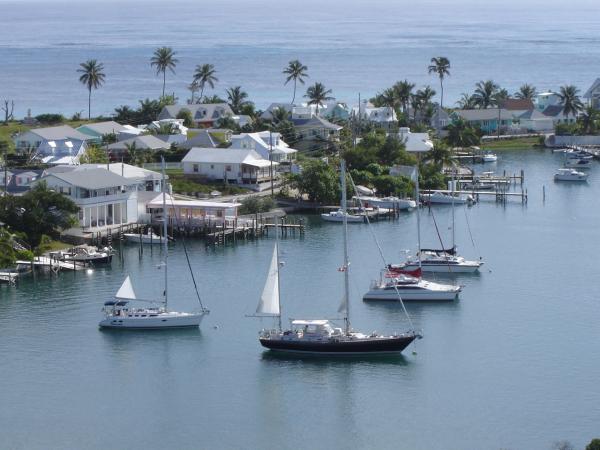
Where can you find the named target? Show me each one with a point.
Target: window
(195, 168)
(212, 166)
(228, 168)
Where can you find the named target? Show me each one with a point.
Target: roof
(202, 139)
(516, 104)
(483, 114)
(595, 86)
(552, 110)
(315, 122)
(59, 133)
(125, 170)
(91, 178)
(225, 156)
(158, 201)
(310, 322)
(103, 128)
(202, 112)
(533, 114)
(146, 142)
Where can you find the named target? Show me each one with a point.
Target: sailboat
(406, 280)
(438, 260)
(320, 336)
(118, 313)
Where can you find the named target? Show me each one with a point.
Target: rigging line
(385, 264)
(441, 242)
(187, 256)
(470, 234)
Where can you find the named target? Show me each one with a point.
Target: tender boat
(145, 238)
(568, 174)
(387, 202)
(320, 337)
(410, 289)
(119, 315)
(576, 163)
(340, 215)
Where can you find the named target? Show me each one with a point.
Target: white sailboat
(320, 336)
(410, 287)
(119, 314)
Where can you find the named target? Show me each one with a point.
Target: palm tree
(296, 71)
(193, 88)
(403, 91)
(163, 59)
(485, 92)
(466, 101)
(205, 75)
(426, 95)
(570, 101)
(440, 155)
(317, 94)
(461, 134)
(526, 92)
(236, 98)
(588, 119)
(92, 76)
(441, 67)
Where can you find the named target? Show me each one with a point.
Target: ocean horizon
(352, 47)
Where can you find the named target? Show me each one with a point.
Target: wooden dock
(53, 264)
(500, 195)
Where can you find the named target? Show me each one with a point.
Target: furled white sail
(126, 290)
(269, 300)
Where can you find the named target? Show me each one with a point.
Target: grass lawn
(56, 245)
(182, 184)
(511, 144)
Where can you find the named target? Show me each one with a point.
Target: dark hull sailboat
(343, 346)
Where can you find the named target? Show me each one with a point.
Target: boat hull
(411, 295)
(161, 321)
(338, 219)
(145, 239)
(444, 268)
(368, 346)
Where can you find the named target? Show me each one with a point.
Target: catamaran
(119, 314)
(320, 336)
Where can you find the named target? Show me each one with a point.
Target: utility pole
(5, 168)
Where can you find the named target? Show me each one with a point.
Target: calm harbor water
(351, 46)
(513, 364)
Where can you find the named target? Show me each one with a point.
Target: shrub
(50, 119)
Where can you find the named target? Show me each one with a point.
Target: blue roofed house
(53, 145)
(98, 130)
(487, 120)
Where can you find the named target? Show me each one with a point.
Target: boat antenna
(385, 264)
(165, 244)
(346, 263)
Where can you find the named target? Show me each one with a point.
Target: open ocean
(352, 47)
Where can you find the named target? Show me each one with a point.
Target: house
(191, 212)
(98, 130)
(415, 142)
(488, 120)
(146, 182)
(203, 139)
(265, 144)
(535, 121)
(315, 133)
(336, 111)
(145, 142)
(440, 119)
(517, 104)
(382, 116)
(104, 198)
(555, 112)
(205, 115)
(592, 95)
(237, 166)
(53, 145)
(268, 113)
(544, 99)
(18, 181)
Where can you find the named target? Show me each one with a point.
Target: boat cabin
(314, 328)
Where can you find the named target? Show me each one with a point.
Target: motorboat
(446, 198)
(489, 157)
(568, 174)
(386, 202)
(339, 216)
(145, 238)
(320, 336)
(437, 261)
(118, 314)
(85, 254)
(391, 285)
(576, 163)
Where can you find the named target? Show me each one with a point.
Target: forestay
(269, 300)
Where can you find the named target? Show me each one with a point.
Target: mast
(346, 264)
(453, 190)
(165, 245)
(278, 283)
(417, 199)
